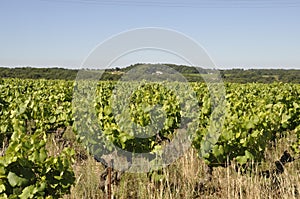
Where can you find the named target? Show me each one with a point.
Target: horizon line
(78, 67)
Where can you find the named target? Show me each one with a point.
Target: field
(55, 133)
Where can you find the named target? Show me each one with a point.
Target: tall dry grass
(182, 179)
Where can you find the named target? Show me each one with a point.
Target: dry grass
(181, 179)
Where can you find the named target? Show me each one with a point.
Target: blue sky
(236, 34)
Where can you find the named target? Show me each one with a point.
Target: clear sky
(236, 34)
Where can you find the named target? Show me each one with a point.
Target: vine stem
(109, 181)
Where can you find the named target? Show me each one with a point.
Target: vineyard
(55, 135)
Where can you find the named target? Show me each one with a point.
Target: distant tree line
(38, 73)
(261, 75)
(192, 74)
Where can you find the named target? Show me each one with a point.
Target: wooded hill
(192, 74)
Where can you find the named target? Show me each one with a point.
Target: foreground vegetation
(41, 132)
(182, 180)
